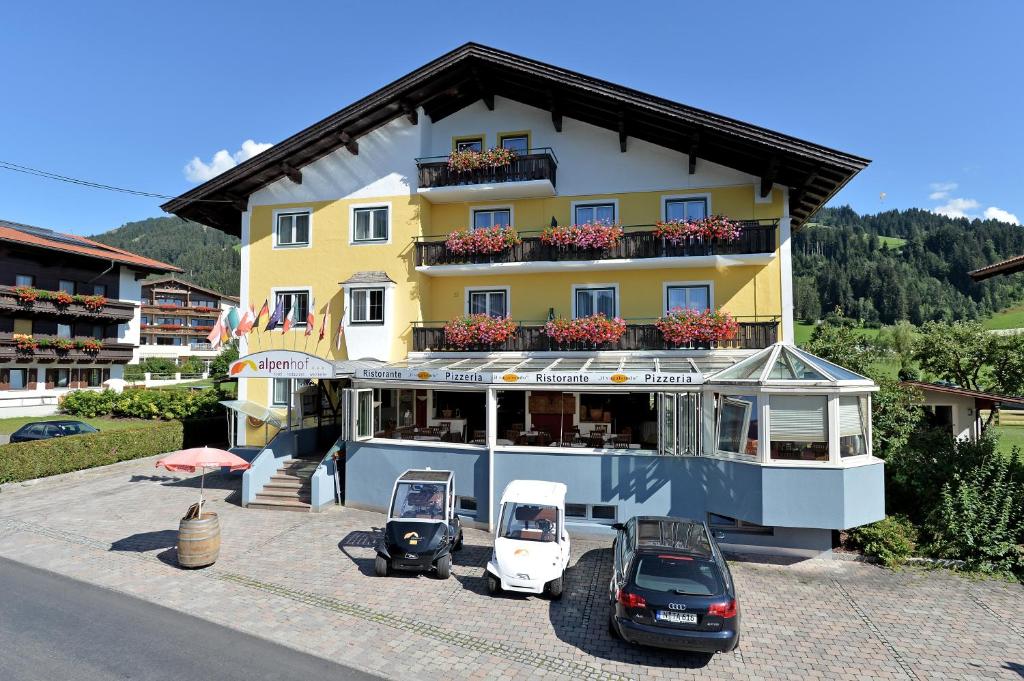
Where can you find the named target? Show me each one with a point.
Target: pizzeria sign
(569, 378)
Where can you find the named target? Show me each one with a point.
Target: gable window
(292, 229)
(370, 224)
(470, 144)
(596, 300)
(24, 280)
(500, 217)
(696, 297)
(517, 143)
(686, 209)
(594, 212)
(67, 286)
(298, 302)
(491, 303)
(367, 305)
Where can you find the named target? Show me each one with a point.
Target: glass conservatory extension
(784, 406)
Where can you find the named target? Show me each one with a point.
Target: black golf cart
(422, 528)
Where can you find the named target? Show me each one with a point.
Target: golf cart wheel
(458, 542)
(493, 584)
(555, 587)
(444, 566)
(380, 566)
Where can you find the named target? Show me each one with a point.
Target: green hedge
(143, 404)
(28, 460)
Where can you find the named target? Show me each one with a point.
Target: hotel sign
(567, 378)
(281, 364)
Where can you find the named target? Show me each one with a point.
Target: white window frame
(665, 198)
(669, 284)
(352, 224)
(27, 374)
(357, 394)
(577, 287)
(473, 210)
(292, 211)
(488, 289)
(270, 386)
(352, 308)
(590, 514)
(297, 324)
(617, 218)
(748, 409)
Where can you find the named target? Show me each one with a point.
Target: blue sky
(129, 93)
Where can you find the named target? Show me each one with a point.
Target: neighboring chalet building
(726, 422)
(69, 315)
(177, 317)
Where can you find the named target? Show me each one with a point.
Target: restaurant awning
(274, 417)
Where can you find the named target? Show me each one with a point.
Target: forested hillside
(208, 256)
(909, 264)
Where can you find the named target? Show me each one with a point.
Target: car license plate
(676, 617)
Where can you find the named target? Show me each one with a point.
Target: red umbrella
(202, 458)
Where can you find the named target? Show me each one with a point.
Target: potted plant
(93, 303)
(62, 298)
(484, 241)
(684, 326)
(478, 330)
(713, 227)
(25, 343)
(595, 329)
(590, 235)
(26, 294)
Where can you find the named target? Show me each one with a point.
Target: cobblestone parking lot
(306, 580)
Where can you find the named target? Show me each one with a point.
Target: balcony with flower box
(749, 333)
(31, 301)
(647, 246)
(479, 176)
(44, 349)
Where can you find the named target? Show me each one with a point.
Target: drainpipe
(492, 437)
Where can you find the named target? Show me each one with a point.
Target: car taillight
(725, 610)
(630, 600)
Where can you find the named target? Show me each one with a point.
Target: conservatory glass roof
(782, 364)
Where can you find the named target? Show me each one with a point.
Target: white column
(833, 429)
(492, 441)
(786, 269)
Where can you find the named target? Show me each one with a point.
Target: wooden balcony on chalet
(111, 352)
(754, 334)
(529, 175)
(113, 310)
(639, 247)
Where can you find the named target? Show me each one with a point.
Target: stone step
(276, 504)
(288, 479)
(287, 485)
(285, 493)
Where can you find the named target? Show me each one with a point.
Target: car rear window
(678, 574)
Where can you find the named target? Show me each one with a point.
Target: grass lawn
(802, 332)
(892, 241)
(9, 425)
(1009, 437)
(1010, 318)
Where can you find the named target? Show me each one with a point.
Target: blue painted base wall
(803, 504)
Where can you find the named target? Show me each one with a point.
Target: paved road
(53, 628)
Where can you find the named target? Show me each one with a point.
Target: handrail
(424, 323)
(641, 227)
(321, 483)
(532, 151)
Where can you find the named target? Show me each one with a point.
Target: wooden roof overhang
(475, 72)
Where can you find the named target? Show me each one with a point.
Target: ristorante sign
(281, 364)
(566, 378)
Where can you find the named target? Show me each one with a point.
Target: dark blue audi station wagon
(671, 588)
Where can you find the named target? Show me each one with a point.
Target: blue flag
(275, 318)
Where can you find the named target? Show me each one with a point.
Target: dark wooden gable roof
(473, 72)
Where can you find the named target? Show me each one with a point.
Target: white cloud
(956, 208)
(993, 213)
(941, 190)
(198, 171)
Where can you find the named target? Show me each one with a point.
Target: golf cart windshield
(419, 500)
(530, 522)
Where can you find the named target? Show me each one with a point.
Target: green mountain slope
(209, 257)
(909, 264)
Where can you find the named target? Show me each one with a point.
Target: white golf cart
(531, 547)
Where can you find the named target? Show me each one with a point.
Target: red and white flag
(341, 332)
(310, 317)
(323, 327)
(289, 319)
(246, 322)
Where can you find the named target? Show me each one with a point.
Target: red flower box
(478, 329)
(713, 227)
(594, 330)
(484, 241)
(596, 235)
(683, 326)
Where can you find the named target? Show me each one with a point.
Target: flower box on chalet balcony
(110, 352)
(114, 310)
(529, 175)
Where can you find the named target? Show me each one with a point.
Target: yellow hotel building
(352, 217)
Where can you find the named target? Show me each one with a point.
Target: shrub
(892, 540)
(219, 365)
(28, 460)
(979, 517)
(142, 404)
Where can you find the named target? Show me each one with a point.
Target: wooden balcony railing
(530, 337)
(112, 352)
(537, 164)
(114, 310)
(638, 242)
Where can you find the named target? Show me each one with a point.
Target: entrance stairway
(289, 488)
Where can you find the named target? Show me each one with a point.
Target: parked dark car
(44, 430)
(671, 588)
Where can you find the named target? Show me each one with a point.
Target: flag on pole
(246, 322)
(264, 312)
(215, 335)
(323, 327)
(341, 332)
(225, 332)
(289, 319)
(233, 319)
(310, 317)
(275, 318)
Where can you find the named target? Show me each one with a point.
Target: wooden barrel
(199, 541)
